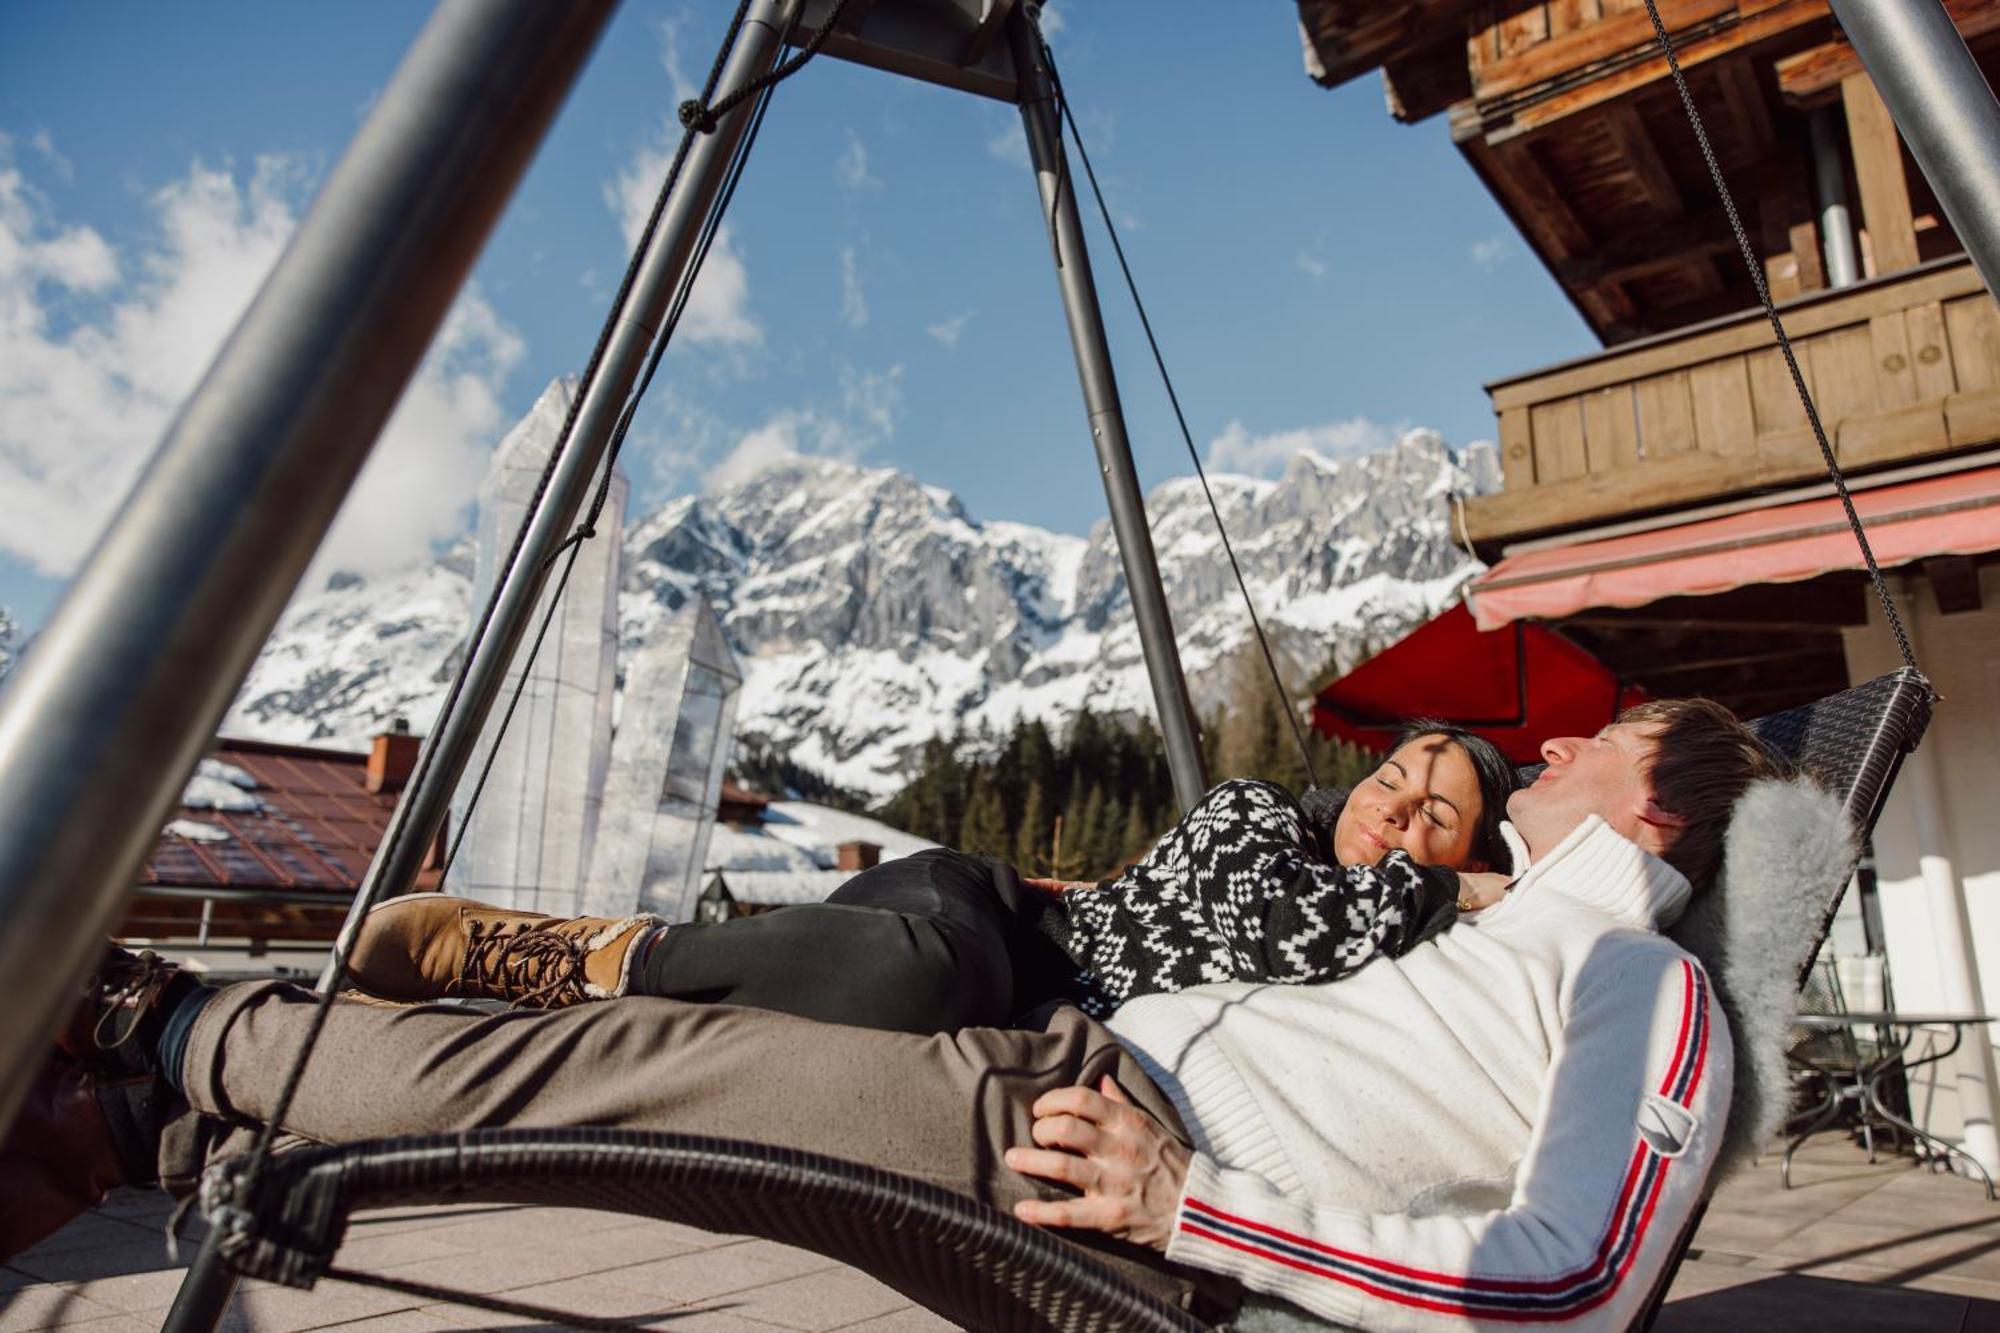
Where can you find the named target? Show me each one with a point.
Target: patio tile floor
(1854, 1248)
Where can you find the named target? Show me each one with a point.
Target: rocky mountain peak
(871, 611)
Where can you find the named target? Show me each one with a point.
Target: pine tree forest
(1087, 802)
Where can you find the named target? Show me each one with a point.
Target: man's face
(1606, 775)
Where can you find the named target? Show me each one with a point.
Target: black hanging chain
(1285, 704)
(573, 544)
(1784, 342)
(267, 1136)
(701, 117)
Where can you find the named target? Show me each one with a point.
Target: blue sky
(1319, 274)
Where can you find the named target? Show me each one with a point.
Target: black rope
(700, 117)
(261, 1152)
(573, 544)
(1784, 342)
(1285, 703)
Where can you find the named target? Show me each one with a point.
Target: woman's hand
(1129, 1169)
(1056, 885)
(1481, 888)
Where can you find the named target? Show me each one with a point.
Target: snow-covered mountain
(871, 612)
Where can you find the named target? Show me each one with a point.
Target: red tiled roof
(317, 830)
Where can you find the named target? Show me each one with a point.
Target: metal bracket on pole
(1944, 108)
(1042, 121)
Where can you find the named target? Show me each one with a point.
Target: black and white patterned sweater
(1244, 888)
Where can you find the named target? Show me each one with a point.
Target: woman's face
(1424, 800)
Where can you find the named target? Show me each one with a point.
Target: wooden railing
(1901, 368)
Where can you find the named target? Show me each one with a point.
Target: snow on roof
(220, 786)
(790, 856)
(783, 888)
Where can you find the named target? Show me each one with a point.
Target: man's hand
(1481, 888)
(1053, 886)
(1129, 1169)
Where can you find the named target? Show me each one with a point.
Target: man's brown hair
(1703, 759)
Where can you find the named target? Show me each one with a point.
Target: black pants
(929, 943)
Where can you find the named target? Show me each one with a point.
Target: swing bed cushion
(979, 1267)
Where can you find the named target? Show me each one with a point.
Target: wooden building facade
(1665, 503)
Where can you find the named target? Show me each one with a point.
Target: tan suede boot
(428, 946)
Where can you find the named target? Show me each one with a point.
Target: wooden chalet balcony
(1903, 367)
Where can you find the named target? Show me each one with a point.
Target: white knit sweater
(1507, 1125)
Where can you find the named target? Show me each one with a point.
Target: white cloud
(1312, 266)
(718, 312)
(871, 405)
(853, 301)
(1010, 145)
(670, 55)
(98, 349)
(949, 331)
(1237, 450)
(1489, 252)
(771, 443)
(850, 169)
(1052, 21)
(43, 144)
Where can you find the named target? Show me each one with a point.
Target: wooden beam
(1806, 78)
(1878, 171)
(1642, 158)
(1635, 253)
(1427, 81)
(1509, 103)
(1516, 177)
(1744, 97)
(1954, 581)
(1749, 331)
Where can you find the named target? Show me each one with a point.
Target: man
(1509, 1124)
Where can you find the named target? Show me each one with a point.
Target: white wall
(1961, 655)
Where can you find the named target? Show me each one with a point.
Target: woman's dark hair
(1498, 779)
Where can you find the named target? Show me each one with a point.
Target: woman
(1249, 886)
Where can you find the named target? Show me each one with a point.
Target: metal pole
(449, 748)
(1836, 228)
(1943, 107)
(1107, 418)
(104, 721)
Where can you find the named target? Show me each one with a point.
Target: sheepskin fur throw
(1789, 850)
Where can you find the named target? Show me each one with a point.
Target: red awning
(1515, 686)
(1957, 514)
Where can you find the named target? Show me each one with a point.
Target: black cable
(1285, 704)
(1784, 342)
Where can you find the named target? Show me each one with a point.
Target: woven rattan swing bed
(433, 165)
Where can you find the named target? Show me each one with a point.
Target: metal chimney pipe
(104, 721)
(1836, 226)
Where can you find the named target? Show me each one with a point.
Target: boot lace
(541, 968)
(129, 989)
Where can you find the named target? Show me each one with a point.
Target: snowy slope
(871, 612)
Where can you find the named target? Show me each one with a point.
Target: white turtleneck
(1456, 1134)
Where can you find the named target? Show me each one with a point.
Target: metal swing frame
(102, 724)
